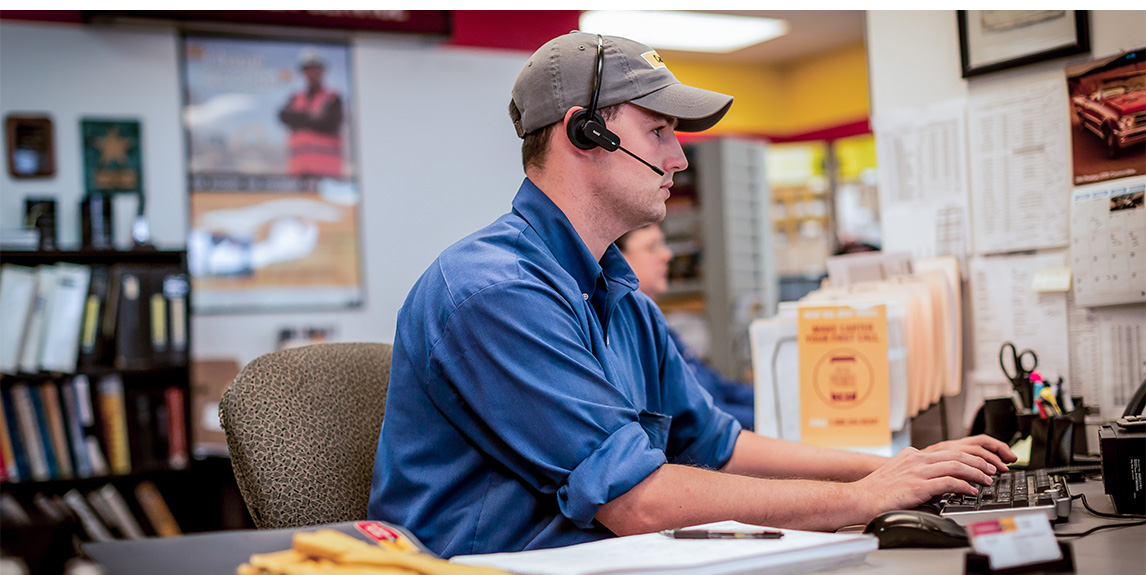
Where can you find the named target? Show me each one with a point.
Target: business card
(1015, 540)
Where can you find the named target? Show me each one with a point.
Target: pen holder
(1056, 439)
(999, 419)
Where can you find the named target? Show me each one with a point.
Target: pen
(705, 534)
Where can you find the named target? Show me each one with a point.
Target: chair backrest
(302, 425)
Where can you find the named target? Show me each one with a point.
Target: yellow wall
(758, 106)
(818, 92)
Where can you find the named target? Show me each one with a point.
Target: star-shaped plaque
(113, 147)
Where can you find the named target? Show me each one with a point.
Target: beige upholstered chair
(302, 426)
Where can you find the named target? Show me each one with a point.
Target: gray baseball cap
(559, 75)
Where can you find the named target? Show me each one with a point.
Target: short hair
(535, 145)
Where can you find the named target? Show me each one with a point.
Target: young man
(646, 252)
(314, 117)
(536, 399)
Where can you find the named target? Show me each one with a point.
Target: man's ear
(569, 118)
(564, 132)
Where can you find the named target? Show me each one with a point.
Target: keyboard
(1015, 491)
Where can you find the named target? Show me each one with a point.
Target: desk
(1114, 551)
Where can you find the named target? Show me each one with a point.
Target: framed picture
(993, 40)
(273, 185)
(31, 147)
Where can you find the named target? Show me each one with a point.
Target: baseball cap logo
(653, 59)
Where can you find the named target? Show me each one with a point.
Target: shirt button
(585, 296)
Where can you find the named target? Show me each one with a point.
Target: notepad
(796, 552)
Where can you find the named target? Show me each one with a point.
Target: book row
(75, 429)
(65, 318)
(102, 514)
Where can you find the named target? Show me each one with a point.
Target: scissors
(1019, 373)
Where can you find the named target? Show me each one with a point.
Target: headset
(586, 128)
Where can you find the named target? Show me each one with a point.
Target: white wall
(913, 62)
(913, 56)
(439, 156)
(73, 72)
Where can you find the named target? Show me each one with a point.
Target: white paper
(1020, 170)
(859, 267)
(656, 553)
(776, 367)
(1107, 356)
(1107, 249)
(1005, 308)
(922, 181)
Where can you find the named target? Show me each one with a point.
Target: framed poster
(273, 185)
(992, 40)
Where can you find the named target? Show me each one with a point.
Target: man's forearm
(759, 456)
(679, 496)
(782, 484)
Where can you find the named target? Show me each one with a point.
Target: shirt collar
(566, 245)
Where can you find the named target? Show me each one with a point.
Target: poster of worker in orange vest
(314, 117)
(274, 194)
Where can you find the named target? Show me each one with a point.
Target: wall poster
(274, 190)
(1108, 117)
(845, 397)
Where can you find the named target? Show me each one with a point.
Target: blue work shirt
(529, 386)
(738, 399)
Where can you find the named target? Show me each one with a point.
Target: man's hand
(913, 477)
(986, 447)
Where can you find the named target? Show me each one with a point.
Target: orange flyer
(844, 391)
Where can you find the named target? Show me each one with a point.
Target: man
(314, 117)
(646, 252)
(536, 398)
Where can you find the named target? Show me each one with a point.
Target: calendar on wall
(1108, 258)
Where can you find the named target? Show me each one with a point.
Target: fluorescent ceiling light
(691, 31)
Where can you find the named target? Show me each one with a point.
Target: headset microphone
(611, 143)
(586, 128)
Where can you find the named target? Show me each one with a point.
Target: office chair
(302, 426)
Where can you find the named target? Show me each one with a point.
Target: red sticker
(377, 531)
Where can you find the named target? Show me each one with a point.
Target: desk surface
(1115, 551)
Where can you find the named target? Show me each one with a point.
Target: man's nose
(678, 161)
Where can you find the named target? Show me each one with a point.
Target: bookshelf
(95, 387)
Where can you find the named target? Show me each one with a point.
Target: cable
(1112, 515)
(1107, 526)
(1102, 514)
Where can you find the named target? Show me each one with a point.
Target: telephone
(1134, 417)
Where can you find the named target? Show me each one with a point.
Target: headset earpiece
(575, 129)
(588, 134)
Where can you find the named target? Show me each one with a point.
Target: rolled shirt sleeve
(531, 396)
